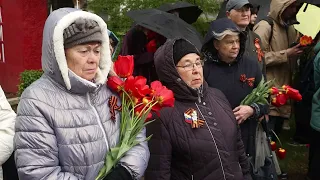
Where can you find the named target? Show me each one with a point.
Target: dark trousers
(275, 123)
(314, 155)
(9, 169)
(302, 116)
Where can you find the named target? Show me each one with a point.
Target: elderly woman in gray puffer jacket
(63, 126)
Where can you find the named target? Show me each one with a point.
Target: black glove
(119, 173)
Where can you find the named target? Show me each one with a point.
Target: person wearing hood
(239, 11)
(314, 157)
(138, 39)
(63, 126)
(7, 121)
(199, 137)
(281, 52)
(136, 42)
(113, 43)
(227, 69)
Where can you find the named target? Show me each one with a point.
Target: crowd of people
(63, 129)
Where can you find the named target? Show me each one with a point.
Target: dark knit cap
(82, 31)
(181, 48)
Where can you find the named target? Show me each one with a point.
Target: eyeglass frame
(193, 65)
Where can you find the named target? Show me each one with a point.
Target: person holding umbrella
(143, 42)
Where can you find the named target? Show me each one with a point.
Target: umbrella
(263, 11)
(166, 24)
(188, 12)
(308, 25)
(314, 2)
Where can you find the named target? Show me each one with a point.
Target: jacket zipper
(215, 144)
(99, 121)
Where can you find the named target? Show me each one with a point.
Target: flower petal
(115, 83)
(124, 66)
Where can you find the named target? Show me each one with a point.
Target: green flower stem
(130, 126)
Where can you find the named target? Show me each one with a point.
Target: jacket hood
(276, 9)
(53, 58)
(218, 26)
(115, 40)
(169, 76)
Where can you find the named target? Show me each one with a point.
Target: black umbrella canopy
(314, 2)
(188, 12)
(263, 11)
(166, 24)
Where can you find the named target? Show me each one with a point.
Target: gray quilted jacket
(63, 126)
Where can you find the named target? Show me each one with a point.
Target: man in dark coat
(239, 12)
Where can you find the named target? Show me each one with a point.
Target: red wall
(23, 22)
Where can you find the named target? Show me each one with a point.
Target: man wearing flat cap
(239, 12)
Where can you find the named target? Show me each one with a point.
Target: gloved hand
(119, 173)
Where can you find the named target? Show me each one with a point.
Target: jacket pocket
(236, 170)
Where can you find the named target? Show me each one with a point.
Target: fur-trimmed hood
(53, 58)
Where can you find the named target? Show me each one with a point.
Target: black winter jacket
(233, 78)
(214, 151)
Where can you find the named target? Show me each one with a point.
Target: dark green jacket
(251, 50)
(315, 117)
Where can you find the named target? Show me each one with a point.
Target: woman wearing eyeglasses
(198, 138)
(234, 74)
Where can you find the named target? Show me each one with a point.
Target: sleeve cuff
(256, 109)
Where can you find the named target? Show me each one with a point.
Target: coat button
(215, 124)
(210, 113)
(204, 103)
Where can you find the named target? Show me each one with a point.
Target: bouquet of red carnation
(138, 100)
